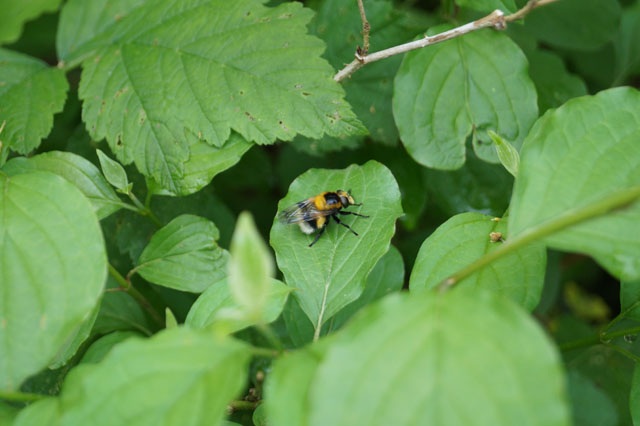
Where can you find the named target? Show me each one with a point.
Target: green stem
(597, 339)
(139, 297)
(621, 316)
(271, 336)
(264, 352)
(572, 217)
(20, 396)
(145, 211)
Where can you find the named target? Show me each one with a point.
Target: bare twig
(365, 32)
(495, 19)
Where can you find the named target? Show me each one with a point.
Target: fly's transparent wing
(302, 211)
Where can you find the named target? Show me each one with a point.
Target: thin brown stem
(366, 28)
(496, 19)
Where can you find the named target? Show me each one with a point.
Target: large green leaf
(591, 406)
(554, 83)
(574, 157)
(184, 255)
(206, 161)
(332, 273)
(626, 45)
(165, 76)
(507, 6)
(77, 170)
(630, 299)
(369, 90)
(471, 84)
(467, 237)
(30, 94)
(217, 305)
(52, 269)
(634, 398)
(176, 375)
(575, 24)
(43, 412)
(16, 13)
(465, 357)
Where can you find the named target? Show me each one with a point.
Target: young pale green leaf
(250, 268)
(101, 347)
(217, 305)
(206, 161)
(16, 13)
(114, 172)
(630, 299)
(507, 6)
(634, 398)
(592, 23)
(591, 406)
(467, 237)
(179, 372)
(554, 83)
(478, 186)
(210, 56)
(47, 230)
(507, 154)
(456, 358)
(467, 85)
(574, 160)
(43, 412)
(333, 272)
(170, 319)
(77, 170)
(184, 255)
(30, 94)
(369, 90)
(386, 277)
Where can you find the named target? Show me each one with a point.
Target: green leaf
(630, 299)
(591, 406)
(217, 305)
(300, 330)
(625, 44)
(119, 311)
(53, 270)
(332, 273)
(77, 170)
(191, 53)
(177, 372)
(206, 161)
(73, 342)
(507, 6)
(574, 159)
(467, 357)
(288, 386)
(30, 94)
(467, 237)
(101, 347)
(259, 417)
(507, 154)
(8, 413)
(43, 412)
(477, 186)
(16, 13)
(170, 319)
(114, 172)
(250, 268)
(554, 83)
(386, 277)
(369, 90)
(184, 255)
(575, 24)
(634, 398)
(450, 90)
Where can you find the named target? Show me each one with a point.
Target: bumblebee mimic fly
(314, 213)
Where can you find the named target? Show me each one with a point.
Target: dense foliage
(147, 146)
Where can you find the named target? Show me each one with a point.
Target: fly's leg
(339, 222)
(353, 213)
(319, 234)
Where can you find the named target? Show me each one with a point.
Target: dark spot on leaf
(247, 14)
(249, 116)
(285, 128)
(241, 92)
(119, 141)
(306, 94)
